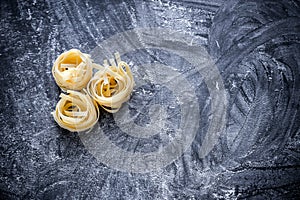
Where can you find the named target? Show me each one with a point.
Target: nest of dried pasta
(110, 87)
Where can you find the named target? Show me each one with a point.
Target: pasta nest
(76, 111)
(72, 70)
(112, 85)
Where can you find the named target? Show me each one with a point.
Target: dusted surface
(256, 47)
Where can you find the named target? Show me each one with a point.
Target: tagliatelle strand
(72, 70)
(112, 85)
(76, 111)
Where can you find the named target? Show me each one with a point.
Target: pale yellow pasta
(72, 70)
(76, 111)
(112, 85)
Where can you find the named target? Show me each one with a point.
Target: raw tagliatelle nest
(72, 70)
(76, 111)
(112, 85)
